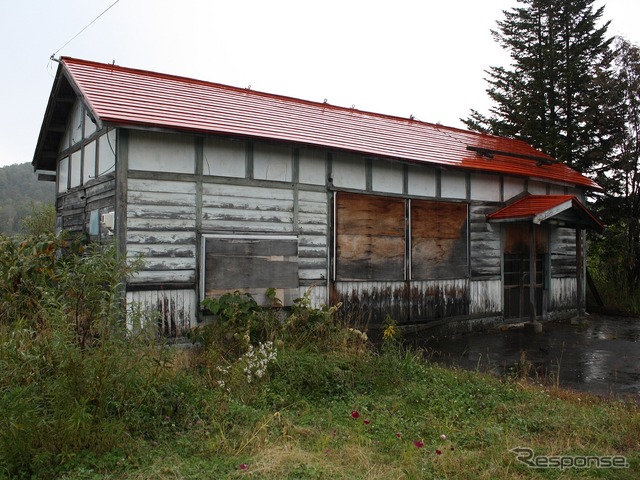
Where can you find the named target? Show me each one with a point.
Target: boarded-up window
(370, 237)
(438, 240)
(251, 264)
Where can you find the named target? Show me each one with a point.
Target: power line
(78, 34)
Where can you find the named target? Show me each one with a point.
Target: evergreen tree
(556, 92)
(618, 253)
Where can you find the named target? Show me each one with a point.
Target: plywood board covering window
(370, 237)
(438, 240)
(372, 242)
(250, 264)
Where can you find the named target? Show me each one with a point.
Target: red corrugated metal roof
(539, 208)
(125, 96)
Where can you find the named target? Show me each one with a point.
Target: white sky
(406, 57)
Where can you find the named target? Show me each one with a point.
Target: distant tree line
(23, 199)
(573, 92)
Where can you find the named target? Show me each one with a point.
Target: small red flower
(398, 435)
(366, 421)
(418, 443)
(355, 414)
(244, 466)
(438, 452)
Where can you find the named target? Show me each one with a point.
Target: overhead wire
(80, 32)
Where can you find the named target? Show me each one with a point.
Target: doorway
(517, 279)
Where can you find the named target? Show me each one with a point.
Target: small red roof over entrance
(122, 96)
(563, 209)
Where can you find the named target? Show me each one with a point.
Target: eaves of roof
(538, 209)
(122, 96)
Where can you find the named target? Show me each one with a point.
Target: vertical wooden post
(122, 176)
(532, 273)
(579, 273)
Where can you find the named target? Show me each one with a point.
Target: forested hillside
(20, 190)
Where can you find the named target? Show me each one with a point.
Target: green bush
(72, 378)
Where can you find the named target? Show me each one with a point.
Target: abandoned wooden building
(223, 189)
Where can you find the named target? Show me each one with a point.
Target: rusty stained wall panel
(370, 237)
(173, 311)
(438, 240)
(517, 238)
(436, 300)
(409, 303)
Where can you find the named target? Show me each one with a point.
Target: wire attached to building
(80, 32)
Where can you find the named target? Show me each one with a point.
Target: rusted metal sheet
(539, 208)
(172, 311)
(123, 96)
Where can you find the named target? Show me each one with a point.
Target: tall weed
(72, 378)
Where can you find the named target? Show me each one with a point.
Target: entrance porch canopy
(562, 210)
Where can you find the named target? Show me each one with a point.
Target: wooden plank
(162, 211)
(438, 240)
(370, 237)
(159, 198)
(246, 191)
(162, 250)
(160, 224)
(173, 238)
(173, 311)
(250, 263)
(187, 276)
(162, 186)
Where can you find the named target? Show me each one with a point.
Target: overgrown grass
(265, 395)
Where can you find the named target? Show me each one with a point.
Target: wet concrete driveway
(600, 354)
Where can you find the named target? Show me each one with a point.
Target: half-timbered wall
(444, 261)
(85, 175)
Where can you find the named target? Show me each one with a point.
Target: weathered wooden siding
(563, 252)
(173, 312)
(313, 234)
(161, 227)
(75, 207)
(485, 244)
(249, 208)
(409, 303)
(485, 297)
(562, 293)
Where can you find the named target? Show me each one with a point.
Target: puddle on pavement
(601, 355)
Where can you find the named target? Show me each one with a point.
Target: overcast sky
(406, 57)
